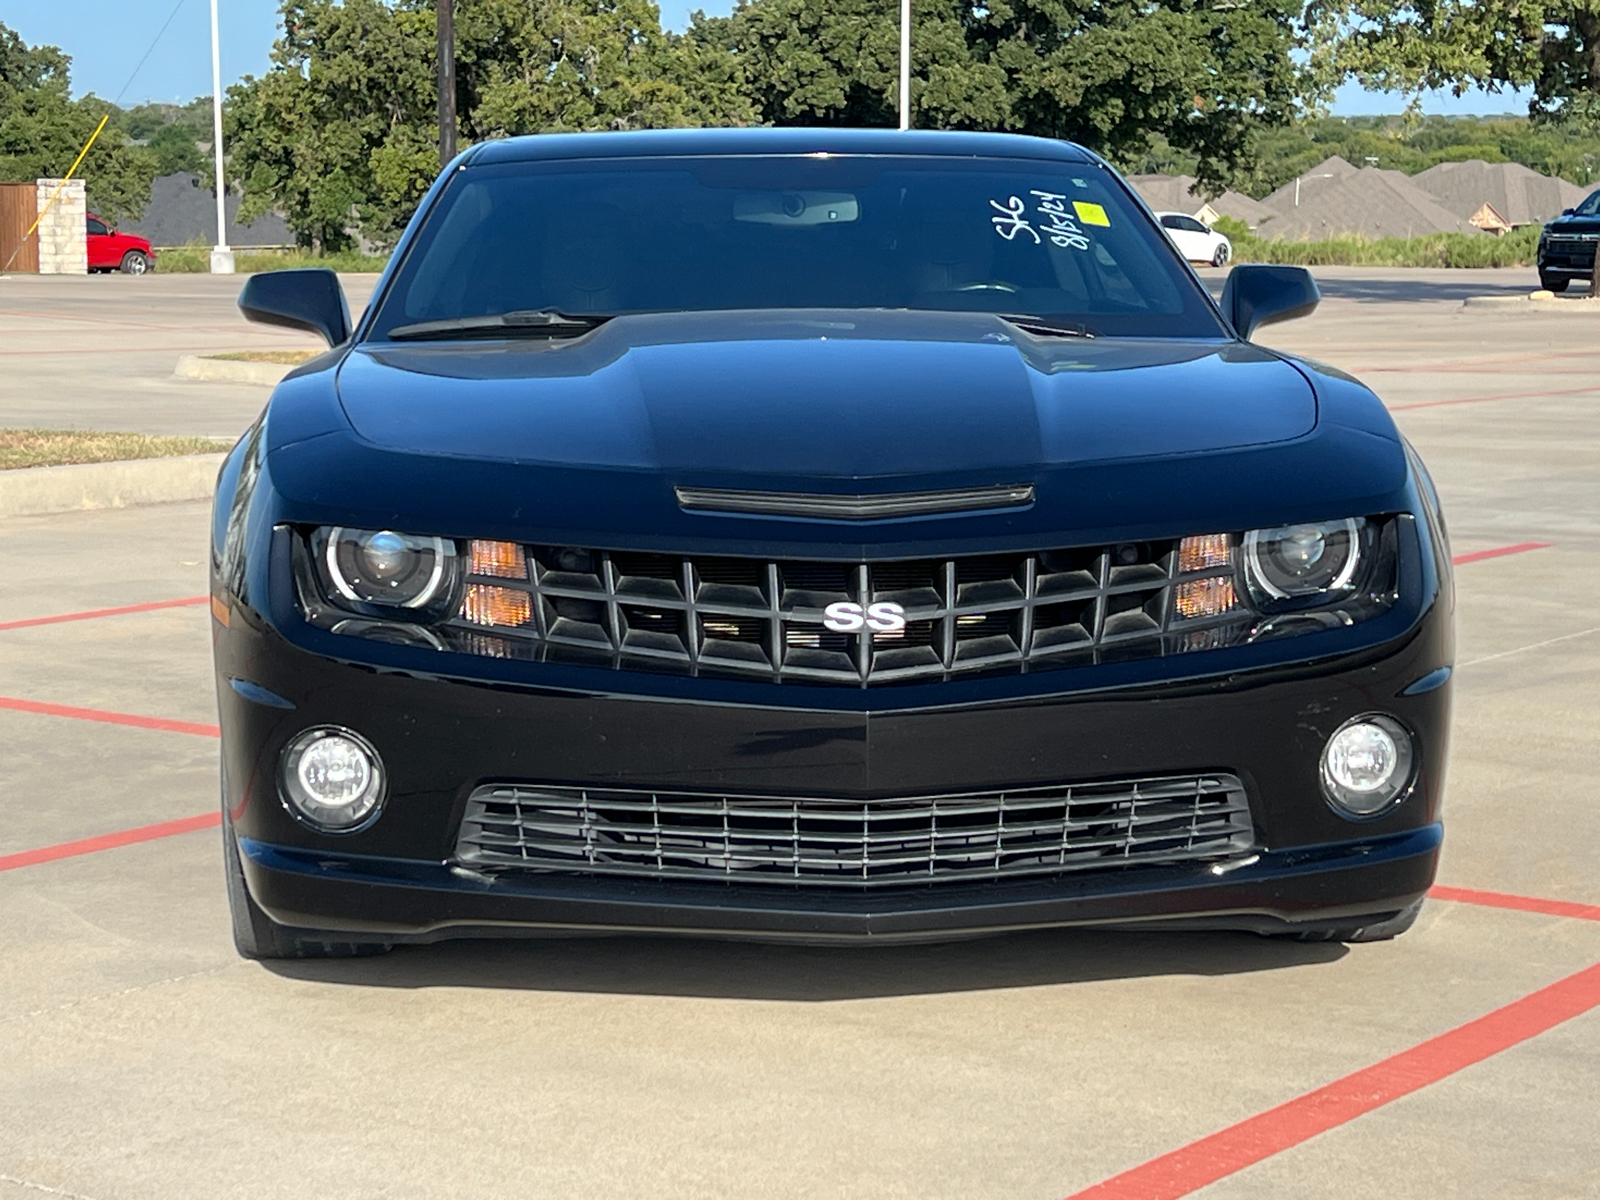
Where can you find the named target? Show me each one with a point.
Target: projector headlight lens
(1366, 765)
(382, 567)
(1294, 561)
(333, 779)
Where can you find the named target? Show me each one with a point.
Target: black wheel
(1554, 285)
(1219, 257)
(135, 262)
(1378, 931)
(258, 936)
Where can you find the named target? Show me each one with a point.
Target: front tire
(257, 936)
(135, 262)
(1554, 285)
(1220, 256)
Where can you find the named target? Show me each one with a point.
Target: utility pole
(446, 12)
(221, 256)
(905, 64)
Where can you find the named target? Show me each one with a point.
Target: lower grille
(824, 841)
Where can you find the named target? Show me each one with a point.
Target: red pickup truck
(113, 251)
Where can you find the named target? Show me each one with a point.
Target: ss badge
(845, 617)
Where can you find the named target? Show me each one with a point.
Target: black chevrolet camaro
(818, 535)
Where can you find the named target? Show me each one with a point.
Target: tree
(340, 134)
(1125, 77)
(42, 130)
(1552, 46)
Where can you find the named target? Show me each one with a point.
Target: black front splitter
(404, 900)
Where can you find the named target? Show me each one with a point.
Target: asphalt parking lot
(141, 1058)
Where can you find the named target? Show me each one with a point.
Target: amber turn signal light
(496, 605)
(502, 560)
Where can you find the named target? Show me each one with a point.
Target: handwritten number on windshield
(1013, 220)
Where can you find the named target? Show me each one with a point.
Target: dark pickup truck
(1566, 247)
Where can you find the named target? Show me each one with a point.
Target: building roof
(182, 211)
(1337, 199)
(1519, 194)
(1168, 193)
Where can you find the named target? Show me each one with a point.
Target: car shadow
(726, 969)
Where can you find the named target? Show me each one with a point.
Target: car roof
(672, 142)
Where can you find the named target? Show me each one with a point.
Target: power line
(150, 50)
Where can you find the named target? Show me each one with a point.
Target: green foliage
(42, 130)
(1128, 78)
(340, 135)
(1552, 46)
(173, 133)
(1515, 249)
(195, 259)
(1415, 144)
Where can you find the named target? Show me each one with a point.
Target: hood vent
(855, 508)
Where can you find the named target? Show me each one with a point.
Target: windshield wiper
(527, 322)
(1043, 328)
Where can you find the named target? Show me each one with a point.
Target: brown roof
(1519, 194)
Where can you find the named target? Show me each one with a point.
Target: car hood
(583, 441)
(1574, 225)
(779, 398)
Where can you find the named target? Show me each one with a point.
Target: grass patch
(60, 447)
(1516, 249)
(289, 358)
(195, 259)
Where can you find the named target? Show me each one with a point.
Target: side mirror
(1257, 295)
(309, 299)
(1566, 212)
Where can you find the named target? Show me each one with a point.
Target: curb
(31, 491)
(227, 370)
(1547, 301)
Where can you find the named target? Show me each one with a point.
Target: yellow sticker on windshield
(1091, 214)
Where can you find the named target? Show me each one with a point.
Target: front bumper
(441, 737)
(1308, 888)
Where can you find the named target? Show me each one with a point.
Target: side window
(97, 226)
(1172, 222)
(1193, 225)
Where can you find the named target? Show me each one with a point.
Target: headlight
(1296, 561)
(380, 570)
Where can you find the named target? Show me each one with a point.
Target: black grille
(1579, 247)
(755, 618)
(823, 841)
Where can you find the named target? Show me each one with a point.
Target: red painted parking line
(1276, 1130)
(109, 718)
(110, 841)
(1486, 399)
(153, 606)
(1499, 552)
(1534, 904)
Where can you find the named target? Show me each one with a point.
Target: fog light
(1366, 765)
(333, 779)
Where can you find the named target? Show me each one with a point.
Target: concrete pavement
(139, 1058)
(97, 351)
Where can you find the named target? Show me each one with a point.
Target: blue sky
(106, 38)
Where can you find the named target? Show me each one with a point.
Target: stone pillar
(63, 232)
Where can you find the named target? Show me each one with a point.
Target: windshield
(1057, 242)
(1590, 206)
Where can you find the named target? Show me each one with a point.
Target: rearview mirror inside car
(1257, 295)
(306, 299)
